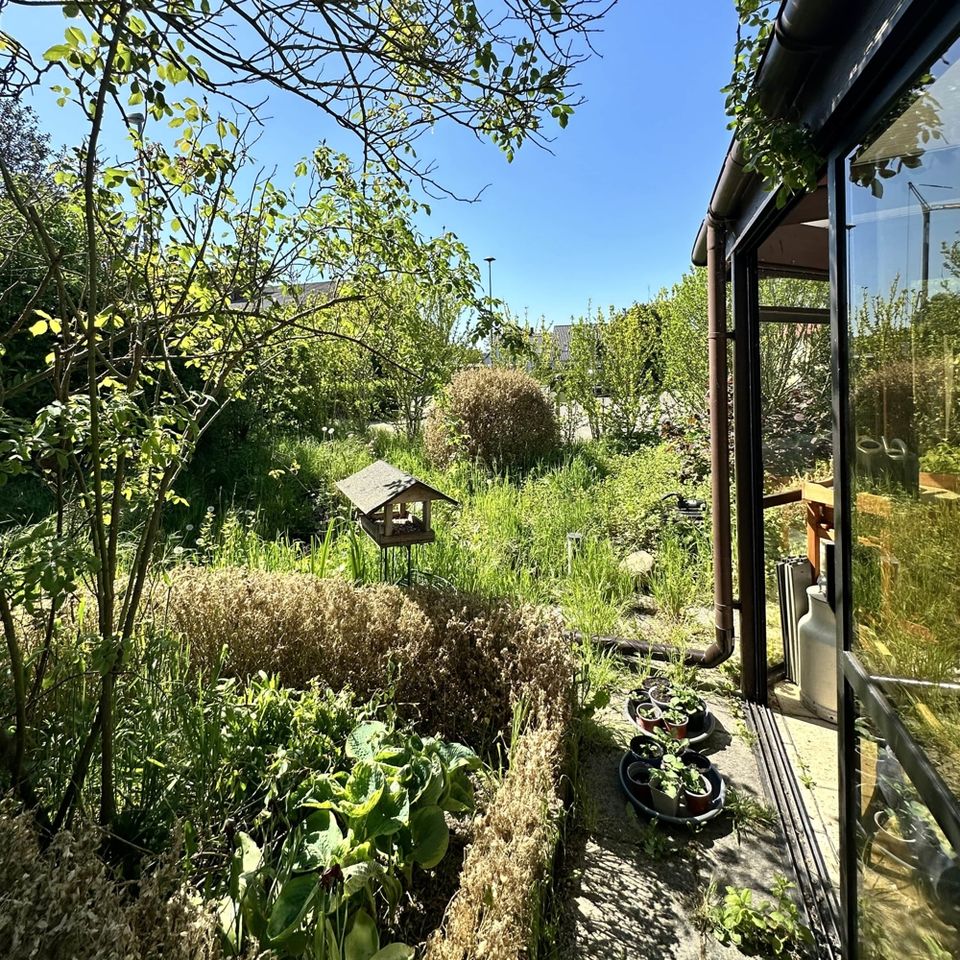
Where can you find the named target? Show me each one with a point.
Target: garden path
(619, 898)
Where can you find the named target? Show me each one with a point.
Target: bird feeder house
(393, 507)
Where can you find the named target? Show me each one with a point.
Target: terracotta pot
(699, 803)
(638, 776)
(677, 730)
(649, 723)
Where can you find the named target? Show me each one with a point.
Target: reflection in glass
(908, 873)
(903, 230)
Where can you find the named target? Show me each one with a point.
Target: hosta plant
(351, 850)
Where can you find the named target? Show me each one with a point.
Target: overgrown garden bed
(308, 822)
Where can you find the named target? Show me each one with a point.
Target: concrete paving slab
(619, 899)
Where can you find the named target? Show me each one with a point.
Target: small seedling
(748, 813)
(653, 842)
(763, 928)
(806, 777)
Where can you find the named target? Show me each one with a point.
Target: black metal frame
(918, 39)
(748, 467)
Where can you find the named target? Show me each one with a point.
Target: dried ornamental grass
(457, 665)
(493, 912)
(63, 904)
(501, 418)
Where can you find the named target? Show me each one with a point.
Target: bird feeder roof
(381, 483)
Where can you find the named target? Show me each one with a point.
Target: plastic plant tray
(719, 796)
(694, 737)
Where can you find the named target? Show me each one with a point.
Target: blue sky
(610, 216)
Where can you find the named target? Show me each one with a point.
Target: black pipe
(803, 30)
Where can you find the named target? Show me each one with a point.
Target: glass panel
(903, 230)
(908, 873)
(795, 391)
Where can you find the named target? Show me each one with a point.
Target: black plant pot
(638, 777)
(694, 759)
(647, 749)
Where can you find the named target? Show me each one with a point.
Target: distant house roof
(296, 293)
(560, 339)
(381, 483)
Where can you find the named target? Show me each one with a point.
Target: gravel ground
(618, 898)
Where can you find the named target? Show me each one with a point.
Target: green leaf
(363, 789)
(291, 907)
(394, 951)
(358, 875)
(389, 815)
(361, 742)
(321, 842)
(431, 837)
(457, 756)
(459, 798)
(362, 941)
(57, 52)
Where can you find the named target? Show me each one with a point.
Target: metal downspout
(722, 647)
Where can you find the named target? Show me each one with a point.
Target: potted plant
(697, 791)
(638, 776)
(894, 838)
(647, 749)
(691, 703)
(693, 759)
(670, 743)
(665, 786)
(648, 716)
(661, 693)
(676, 722)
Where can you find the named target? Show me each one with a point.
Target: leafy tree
(582, 375)
(25, 148)
(183, 250)
(427, 336)
(613, 372)
(631, 370)
(683, 333)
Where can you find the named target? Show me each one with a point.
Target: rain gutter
(802, 31)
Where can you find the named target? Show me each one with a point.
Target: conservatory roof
(381, 483)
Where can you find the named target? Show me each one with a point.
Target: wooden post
(388, 520)
(426, 514)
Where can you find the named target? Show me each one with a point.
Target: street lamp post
(489, 261)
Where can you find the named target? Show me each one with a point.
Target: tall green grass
(508, 537)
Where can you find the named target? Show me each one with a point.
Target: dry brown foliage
(455, 664)
(500, 417)
(491, 916)
(63, 904)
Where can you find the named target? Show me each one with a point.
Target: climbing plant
(779, 149)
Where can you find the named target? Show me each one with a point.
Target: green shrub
(501, 418)
(763, 928)
(633, 495)
(674, 582)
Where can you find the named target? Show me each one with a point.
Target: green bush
(501, 418)
(633, 495)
